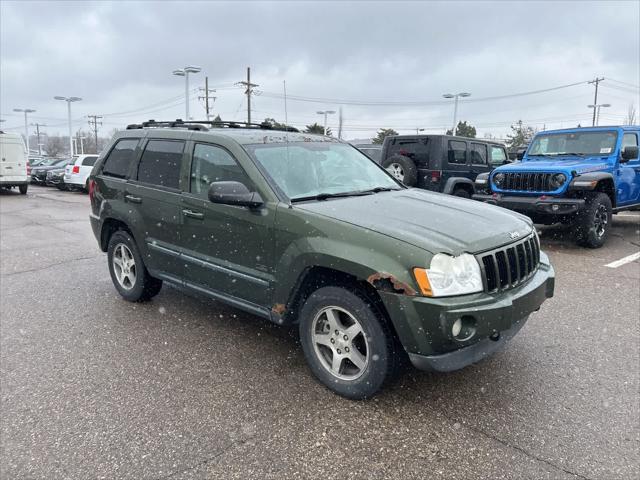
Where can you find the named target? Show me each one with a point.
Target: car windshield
(61, 163)
(308, 169)
(574, 143)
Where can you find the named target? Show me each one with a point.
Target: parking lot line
(624, 260)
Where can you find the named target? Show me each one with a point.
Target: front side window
(478, 154)
(498, 155)
(306, 169)
(214, 164)
(629, 140)
(119, 159)
(160, 163)
(457, 152)
(574, 143)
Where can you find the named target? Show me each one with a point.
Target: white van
(14, 163)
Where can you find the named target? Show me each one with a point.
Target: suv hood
(556, 164)
(432, 221)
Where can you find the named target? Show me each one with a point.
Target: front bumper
(424, 324)
(535, 205)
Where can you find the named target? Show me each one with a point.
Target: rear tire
(462, 193)
(402, 168)
(594, 222)
(128, 272)
(23, 189)
(361, 357)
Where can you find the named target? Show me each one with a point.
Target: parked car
(373, 151)
(35, 161)
(441, 163)
(55, 178)
(575, 176)
(14, 164)
(39, 173)
(304, 229)
(76, 174)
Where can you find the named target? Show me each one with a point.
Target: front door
(227, 249)
(628, 174)
(479, 160)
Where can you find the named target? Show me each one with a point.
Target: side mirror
(630, 152)
(234, 193)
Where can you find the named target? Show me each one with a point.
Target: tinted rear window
(414, 148)
(118, 162)
(89, 161)
(457, 152)
(160, 163)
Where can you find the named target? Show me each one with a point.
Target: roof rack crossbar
(199, 125)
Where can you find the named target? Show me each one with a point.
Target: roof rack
(200, 125)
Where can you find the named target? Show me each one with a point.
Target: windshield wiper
(326, 195)
(565, 153)
(380, 189)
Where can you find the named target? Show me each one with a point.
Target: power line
(624, 83)
(300, 98)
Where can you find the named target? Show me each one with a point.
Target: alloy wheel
(124, 266)
(340, 343)
(396, 170)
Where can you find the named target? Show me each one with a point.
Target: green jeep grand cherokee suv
(305, 229)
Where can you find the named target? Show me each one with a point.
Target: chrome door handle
(192, 214)
(132, 199)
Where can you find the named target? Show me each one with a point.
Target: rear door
(13, 159)
(479, 159)
(154, 193)
(628, 174)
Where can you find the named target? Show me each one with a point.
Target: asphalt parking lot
(184, 388)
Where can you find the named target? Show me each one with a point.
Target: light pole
(325, 113)
(455, 106)
(597, 111)
(184, 72)
(26, 124)
(69, 100)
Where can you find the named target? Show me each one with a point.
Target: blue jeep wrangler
(577, 176)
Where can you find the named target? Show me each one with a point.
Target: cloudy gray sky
(386, 63)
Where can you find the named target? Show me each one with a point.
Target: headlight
(498, 179)
(449, 276)
(557, 180)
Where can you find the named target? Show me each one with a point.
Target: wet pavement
(185, 388)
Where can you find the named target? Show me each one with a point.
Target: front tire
(23, 189)
(128, 273)
(347, 342)
(594, 222)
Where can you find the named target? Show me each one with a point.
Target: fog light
(464, 328)
(457, 326)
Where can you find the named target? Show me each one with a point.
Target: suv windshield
(574, 143)
(309, 169)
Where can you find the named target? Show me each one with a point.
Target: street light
(597, 112)
(455, 107)
(69, 100)
(26, 124)
(184, 72)
(325, 113)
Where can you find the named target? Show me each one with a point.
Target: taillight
(435, 176)
(76, 169)
(28, 168)
(92, 189)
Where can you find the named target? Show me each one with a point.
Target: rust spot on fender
(278, 308)
(388, 283)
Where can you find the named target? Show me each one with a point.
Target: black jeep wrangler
(441, 163)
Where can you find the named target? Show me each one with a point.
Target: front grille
(527, 182)
(509, 266)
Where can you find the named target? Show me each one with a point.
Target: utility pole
(38, 125)
(595, 82)
(248, 92)
(206, 96)
(93, 123)
(26, 111)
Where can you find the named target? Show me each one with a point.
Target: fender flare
(453, 182)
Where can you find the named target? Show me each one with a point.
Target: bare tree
(56, 145)
(631, 115)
